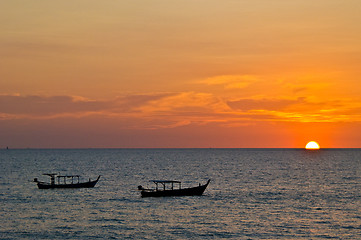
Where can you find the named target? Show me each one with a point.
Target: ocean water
(254, 194)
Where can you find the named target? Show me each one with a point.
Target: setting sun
(312, 145)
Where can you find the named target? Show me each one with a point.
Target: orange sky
(206, 73)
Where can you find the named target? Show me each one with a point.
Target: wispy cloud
(45, 106)
(230, 81)
(300, 109)
(171, 110)
(41, 105)
(264, 104)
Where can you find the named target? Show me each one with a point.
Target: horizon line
(100, 148)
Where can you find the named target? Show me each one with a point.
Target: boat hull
(90, 184)
(194, 191)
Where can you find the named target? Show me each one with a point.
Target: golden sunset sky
(188, 73)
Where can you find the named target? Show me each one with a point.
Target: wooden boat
(62, 182)
(167, 189)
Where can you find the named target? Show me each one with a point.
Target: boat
(61, 182)
(165, 188)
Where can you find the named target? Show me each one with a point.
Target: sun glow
(312, 145)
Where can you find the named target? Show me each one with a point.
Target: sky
(182, 74)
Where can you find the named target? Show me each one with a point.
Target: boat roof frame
(50, 174)
(164, 181)
(68, 176)
(60, 176)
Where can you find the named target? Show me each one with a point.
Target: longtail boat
(165, 188)
(61, 182)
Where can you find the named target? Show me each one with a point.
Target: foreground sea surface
(254, 194)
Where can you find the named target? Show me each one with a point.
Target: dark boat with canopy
(165, 188)
(61, 182)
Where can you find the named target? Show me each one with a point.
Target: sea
(253, 194)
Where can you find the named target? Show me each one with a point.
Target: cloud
(35, 48)
(41, 105)
(230, 81)
(264, 104)
(173, 110)
(183, 108)
(300, 109)
(45, 106)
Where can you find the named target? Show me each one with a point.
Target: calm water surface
(254, 194)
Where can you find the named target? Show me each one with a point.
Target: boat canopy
(63, 177)
(164, 181)
(50, 174)
(68, 176)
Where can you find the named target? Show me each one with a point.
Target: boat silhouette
(166, 188)
(61, 182)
